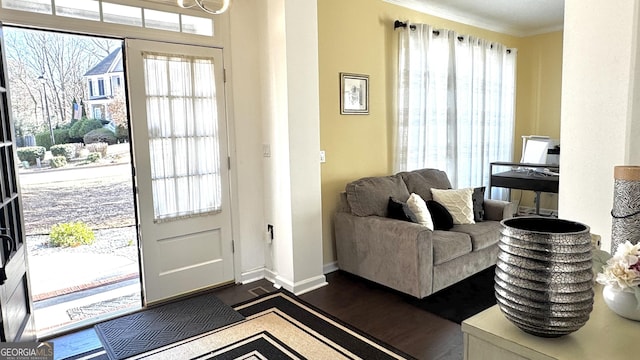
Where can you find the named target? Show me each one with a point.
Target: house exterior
(103, 81)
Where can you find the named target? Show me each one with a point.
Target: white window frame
(90, 87)
(52, 21)
(101, 87)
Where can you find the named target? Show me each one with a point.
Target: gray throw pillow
(478, 203)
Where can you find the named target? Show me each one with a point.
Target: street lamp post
(46, 104)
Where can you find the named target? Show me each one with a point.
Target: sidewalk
(63, 273)
(77, 286)
(77, 289)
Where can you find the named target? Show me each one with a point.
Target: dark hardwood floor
(388, 316)
(379, 312)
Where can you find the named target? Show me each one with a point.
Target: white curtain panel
(456, 98)
(183, 129)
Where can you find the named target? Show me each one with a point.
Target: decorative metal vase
(625, 224)
(544, 280)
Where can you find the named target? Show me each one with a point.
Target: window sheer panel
(427, 102)
(185, 157)
(455, 104)
(402, 97)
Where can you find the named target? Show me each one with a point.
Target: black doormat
(463, 299)
(159, 326)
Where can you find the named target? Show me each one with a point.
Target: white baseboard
(252, 275)
(270, 275)
(330, 267)
(298, 288)
(301, 287)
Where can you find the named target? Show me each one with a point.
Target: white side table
(490, 336)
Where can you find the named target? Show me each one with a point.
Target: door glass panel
(183, 135)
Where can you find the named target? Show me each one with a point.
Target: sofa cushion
(370, 196)
(442, 220)
(448, 245)
(422, 181)
(483, 234)
(400, 211)
(417, 205)
(458, 202)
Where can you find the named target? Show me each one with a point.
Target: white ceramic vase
(622, 303)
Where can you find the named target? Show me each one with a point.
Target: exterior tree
(118, 109)
(62, 60)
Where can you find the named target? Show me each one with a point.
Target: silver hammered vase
(543, 280)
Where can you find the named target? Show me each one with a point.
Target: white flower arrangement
(622, 271)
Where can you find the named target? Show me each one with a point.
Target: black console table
(526, 177)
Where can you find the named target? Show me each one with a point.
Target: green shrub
(31, 153)
(58, 162)
(66, 150)
(83, 127)
(44, 139)
(71, 234)
(93, 157)
(122, 134)
(61, 136)
(67, 125)
(101, 135)
(99, 147)
(73, 130)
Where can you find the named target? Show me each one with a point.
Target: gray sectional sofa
(407, 256)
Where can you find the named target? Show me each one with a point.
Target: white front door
(179, 137)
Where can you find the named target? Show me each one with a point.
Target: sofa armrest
(394, 253)
(498, 209)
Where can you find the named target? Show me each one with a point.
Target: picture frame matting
(354, 94)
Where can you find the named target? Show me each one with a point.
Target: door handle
(7, 246)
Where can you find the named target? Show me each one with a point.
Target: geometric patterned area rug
(277, 326)
(162, 325)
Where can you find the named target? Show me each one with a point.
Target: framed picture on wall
(354, 94)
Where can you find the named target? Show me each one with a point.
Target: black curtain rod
(398, 24)
(402, 24)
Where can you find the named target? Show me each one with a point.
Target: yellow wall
(539, 87)
(357, 36)
(538, 100)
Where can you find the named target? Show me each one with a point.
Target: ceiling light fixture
(200, 4)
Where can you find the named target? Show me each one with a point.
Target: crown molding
(468, 19)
